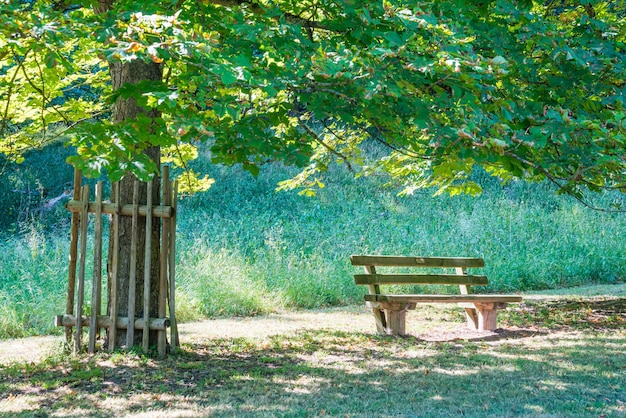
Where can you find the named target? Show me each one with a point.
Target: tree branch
(556, 181)
(5, 116)
(290, 17)
(42, 92)
(333, 151)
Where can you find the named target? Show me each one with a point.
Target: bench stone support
(482, 316)
(391, 317)
(395, 316)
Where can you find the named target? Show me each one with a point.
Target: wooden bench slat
(442, 298)
(366, 279)
(402, 261)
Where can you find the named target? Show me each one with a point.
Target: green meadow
(245, 249)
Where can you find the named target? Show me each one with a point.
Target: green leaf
(228, 77)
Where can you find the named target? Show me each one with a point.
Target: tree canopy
(524, 89)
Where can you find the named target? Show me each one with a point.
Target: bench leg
(472, 318)
(381, 321)
(487, 313)
(379, 316)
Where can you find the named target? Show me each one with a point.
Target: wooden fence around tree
(91, 313)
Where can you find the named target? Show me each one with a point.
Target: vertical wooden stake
(162, 308)
(132, 280)
(84, 219)
(146, 275)
(114, 234)
(71, 276)
(96, 291)
(172, 271)
(379, 314)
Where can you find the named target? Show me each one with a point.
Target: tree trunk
(123, 73)
(130, 73)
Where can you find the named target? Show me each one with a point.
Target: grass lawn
(556, 355)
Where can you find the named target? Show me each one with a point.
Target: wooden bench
(390, 309)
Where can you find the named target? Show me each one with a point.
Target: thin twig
(45, 99)
(325, 145)
(20, 64)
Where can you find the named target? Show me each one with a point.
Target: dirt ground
(420, 324)
(349, 319)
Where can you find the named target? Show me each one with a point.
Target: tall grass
(295, 250)
(32, 283)
(244, 249)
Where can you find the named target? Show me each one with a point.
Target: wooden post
(172, 272)
(379, 314)
(146, 275)
(84, 219)
(71, 276)
(163, 290)
(470, 313)
(96, 291)
(115, 236)
(132, 281)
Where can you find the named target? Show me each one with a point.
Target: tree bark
(131, 73)
(123, 73)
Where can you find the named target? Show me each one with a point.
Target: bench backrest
(373, 280)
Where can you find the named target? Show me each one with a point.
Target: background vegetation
(245, 249)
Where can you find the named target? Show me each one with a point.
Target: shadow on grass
(608, 314)
(474, 336)
(317, 373)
